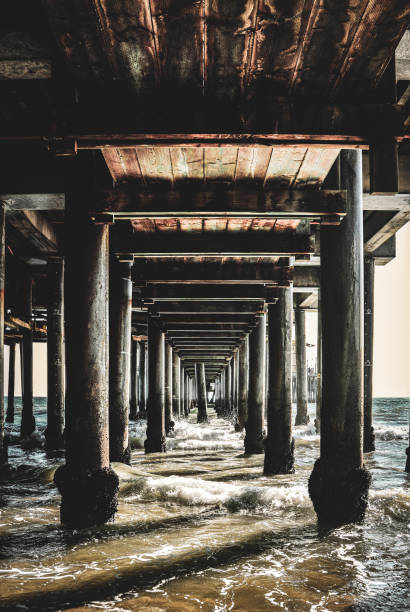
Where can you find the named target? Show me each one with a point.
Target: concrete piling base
(339, 494)
(155, 444)
(278, 462)
(254, 445)
(369, 440)
(88, 498)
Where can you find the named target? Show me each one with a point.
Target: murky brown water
(200, 529)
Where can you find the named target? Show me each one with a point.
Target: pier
(181, 183)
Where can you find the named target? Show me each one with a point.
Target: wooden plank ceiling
(229, 50)
(269, 167)
(204, 225)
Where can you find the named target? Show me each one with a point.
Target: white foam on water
(399, 432)
(218, 434)
(306, 431)
(197, 492)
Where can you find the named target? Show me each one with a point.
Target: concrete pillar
(120, 359)
(243, 384)
(318, 367)
(181, 388)
(301, 374)
(3, 447)
(168, 389)
(202, 399)
(155, 442)
(217, 393)
(28, 422)
(191, 392)
(235, 365)
(12, 374)
(186, 394)
(368, 431)
(176, 386)
(88, 485)
(134, 381)
(256, 393)
(339, 483)
(142, 380)
(279, 443)
(228, 388)
(55, 355)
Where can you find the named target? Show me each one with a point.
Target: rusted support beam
(390, 202)
(256, 392)
(201, 272)
(381, 226)
(302, 417)
(34, 201)
(205, 318)
(193, 201)
(55, 354)
(279, 443)
(368, 431)
(306, 276)
(35, 229)
(339, 483)
(365, 115)
(155, 441)
(212, 308)
(120, 364)
(206, 292)
(88, 485)
(212, 245)
(384, 168)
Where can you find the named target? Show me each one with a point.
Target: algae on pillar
(368, 431)
(256, 392)
(202, 396)
(279, 443)
(88, 485)
(120, 359)
(55, 354)
(339, 483)
(155, 442)
(302, 417)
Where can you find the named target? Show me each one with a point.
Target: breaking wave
(187, 491)
(391, 433)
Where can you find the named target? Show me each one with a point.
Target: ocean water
(200, 528)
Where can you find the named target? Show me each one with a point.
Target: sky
(391, 375)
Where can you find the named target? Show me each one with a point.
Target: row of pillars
(97, 406)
